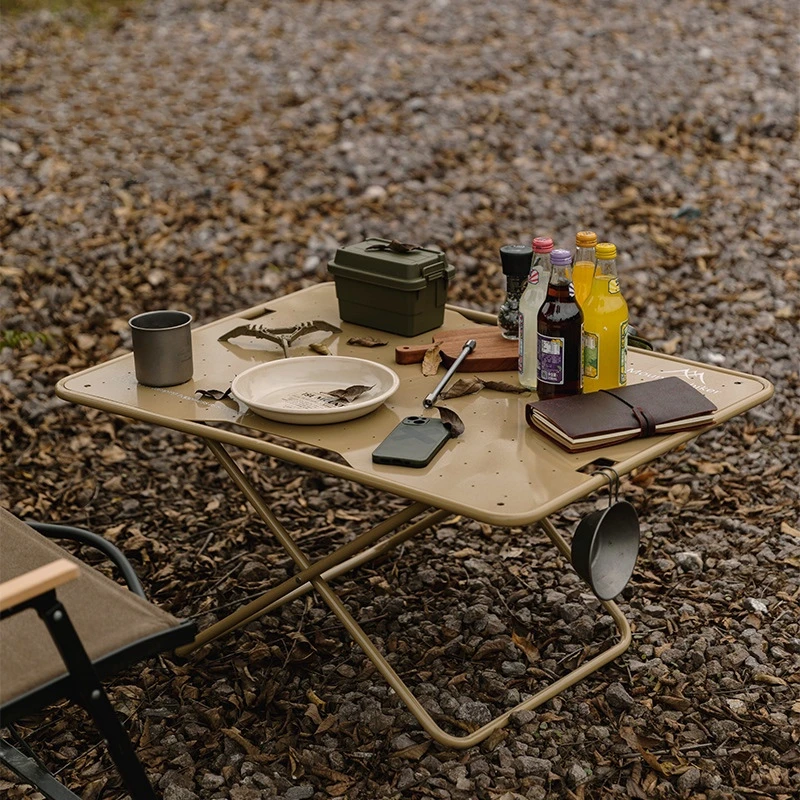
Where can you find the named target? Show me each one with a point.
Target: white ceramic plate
(294, 389)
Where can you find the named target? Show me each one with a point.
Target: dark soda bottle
(559, 341)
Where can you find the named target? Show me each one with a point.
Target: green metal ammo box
(398, 292)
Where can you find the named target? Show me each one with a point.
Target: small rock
(211, 781)
(617, 697)
(249, 793)
(689, 561)
(571, 611)
(494, 625)
(689, 779)
(475, 712)
(304, 792)
(176, 792)
(513, 669)
(752, 604)
(737, 706)
(576, 775)
(530, 765)
(402, 741)
(524, 717)
(406, 778)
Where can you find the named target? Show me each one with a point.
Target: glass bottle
(605, 323)
(529, 305)
(560, 334)
(516, 262)
(583, 269)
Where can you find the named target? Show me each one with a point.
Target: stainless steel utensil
(430, 399)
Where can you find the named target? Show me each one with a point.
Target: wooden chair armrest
(36, 582)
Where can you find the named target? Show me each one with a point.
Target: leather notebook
(585, 421)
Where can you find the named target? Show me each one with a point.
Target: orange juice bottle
(583, 268)
(605, 325)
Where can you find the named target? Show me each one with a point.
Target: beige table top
(498, 471)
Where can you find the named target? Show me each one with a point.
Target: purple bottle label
(550, 361)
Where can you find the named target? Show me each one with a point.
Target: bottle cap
(585, 239)
(561, 258)
(516, 259)
(542, 244)
(606, 251)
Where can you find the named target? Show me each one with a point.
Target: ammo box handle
(433, 271)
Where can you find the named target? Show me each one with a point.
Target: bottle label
(591, 355)
(572, 290)
(613, 286)
(521, 349)
(533, 275)
(623, 353)
(550, 366)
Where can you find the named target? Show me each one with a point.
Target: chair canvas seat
(116, 626)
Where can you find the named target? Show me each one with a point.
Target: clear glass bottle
(516, 262)
(560, 334)
(529, 305)
(583, 267)
(605, 323)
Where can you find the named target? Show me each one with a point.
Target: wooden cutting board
(493, 353)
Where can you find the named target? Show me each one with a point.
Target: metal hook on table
(614, 484)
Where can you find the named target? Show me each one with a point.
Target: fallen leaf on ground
(787, 528)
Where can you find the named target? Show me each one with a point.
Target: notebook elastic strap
(647, 426)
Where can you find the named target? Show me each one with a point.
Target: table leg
(376, 657)
(347, 557)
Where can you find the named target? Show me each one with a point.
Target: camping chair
(89, 628)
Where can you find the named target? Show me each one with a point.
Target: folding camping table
(498, 471)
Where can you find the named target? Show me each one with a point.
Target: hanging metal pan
(604, 548)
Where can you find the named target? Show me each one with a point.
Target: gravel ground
(208, 155)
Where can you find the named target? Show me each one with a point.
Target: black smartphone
(413, 443)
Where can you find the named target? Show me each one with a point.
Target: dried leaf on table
(282, 336)
(461, 387)
(464, 386)
(502, 386)
(320, 349)
(395, 247)
(213, 394)
(432, 360)
(366, 341)
(350, 393)
(451, 420)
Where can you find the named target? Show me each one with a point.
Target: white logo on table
(693, 376)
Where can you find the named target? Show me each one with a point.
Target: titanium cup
(162, 347)
(604, 548)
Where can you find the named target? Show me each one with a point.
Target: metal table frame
(524, 478)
